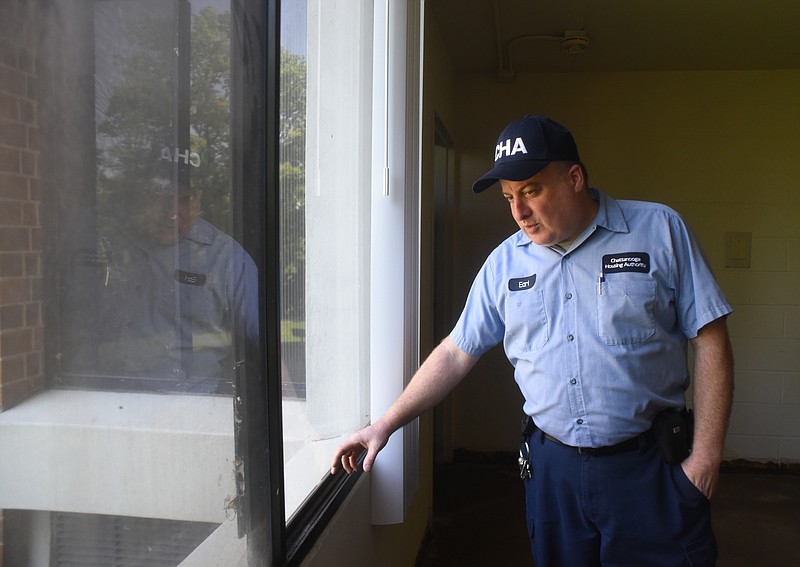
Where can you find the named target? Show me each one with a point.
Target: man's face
(167, 219)
(552, 206)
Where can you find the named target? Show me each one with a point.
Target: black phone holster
(673, 431)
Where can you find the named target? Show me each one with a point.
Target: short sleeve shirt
(171, 312)
(597, 334)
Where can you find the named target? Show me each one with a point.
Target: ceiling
(624, 35)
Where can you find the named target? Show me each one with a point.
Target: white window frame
(394, 282)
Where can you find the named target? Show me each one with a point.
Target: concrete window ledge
(220, 548)
(144, 455)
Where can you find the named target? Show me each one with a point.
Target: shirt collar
(609, 216)
(201, 232)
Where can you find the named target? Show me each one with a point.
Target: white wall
(720, 147)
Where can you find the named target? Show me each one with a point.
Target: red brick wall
(21, 331)
(21, 326)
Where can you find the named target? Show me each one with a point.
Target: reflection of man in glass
(164, 217)
(176, 293)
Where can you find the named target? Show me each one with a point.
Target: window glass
(325, 153)
(155, 290)
(133, 402)
(127, 454)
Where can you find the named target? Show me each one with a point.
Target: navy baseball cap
(525, 147)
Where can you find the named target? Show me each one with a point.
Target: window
(324, 176)
(189, 316)
(154, 293)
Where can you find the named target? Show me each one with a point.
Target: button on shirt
(598, 333)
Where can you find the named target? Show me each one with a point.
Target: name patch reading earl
(626, 262)
(190, 278)
(519, 284)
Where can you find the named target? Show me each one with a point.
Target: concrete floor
(479, 519)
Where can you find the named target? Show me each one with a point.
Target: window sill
(145, 455)
(223, 547)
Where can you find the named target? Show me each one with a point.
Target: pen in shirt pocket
(600, 281)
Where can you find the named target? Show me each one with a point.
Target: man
(174, 293)
(595, 301)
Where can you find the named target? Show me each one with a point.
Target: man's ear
(577, 177)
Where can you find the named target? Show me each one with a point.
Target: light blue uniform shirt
(597, 334)
(172, 312)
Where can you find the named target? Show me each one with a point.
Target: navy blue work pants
(628, 509)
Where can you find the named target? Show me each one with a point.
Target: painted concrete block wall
(719, 147)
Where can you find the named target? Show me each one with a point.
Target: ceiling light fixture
(575, 41)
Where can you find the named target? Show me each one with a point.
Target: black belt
(639, 442)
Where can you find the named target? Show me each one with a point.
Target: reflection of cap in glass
(167, 176)
(525, 147)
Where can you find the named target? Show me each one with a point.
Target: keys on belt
(639, 442)
(524, 461)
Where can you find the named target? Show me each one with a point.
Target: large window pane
(326, 152)
(149, 304)
(134, 171)
(155, 292)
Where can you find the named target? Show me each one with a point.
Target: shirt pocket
(625, 311)
(526, 320)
